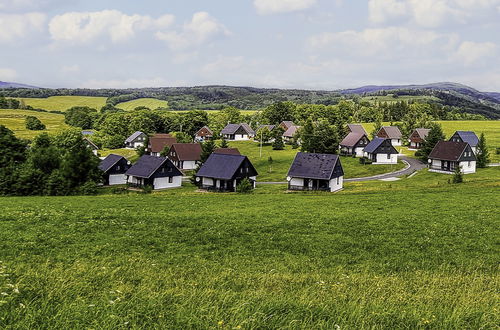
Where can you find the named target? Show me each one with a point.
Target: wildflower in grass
(15, 290)
(21, 305)
(220, 323)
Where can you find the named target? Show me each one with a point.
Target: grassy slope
(282, 159)
(390, 99)
(144, 102)
(364, 257)
(15, 120)
(63, 103)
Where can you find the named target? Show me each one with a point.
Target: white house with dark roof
(448, 155)
(158, 172)
(237, 132)
(391, 132)
(136, 140)
(186, 156)
(311, 171)
(381, 151)
(467, 137)
(114, 168)
(353, 144)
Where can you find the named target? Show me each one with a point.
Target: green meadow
(15, 121)
(415, 253)
(63, 103)
(143, 102)
(390, 99)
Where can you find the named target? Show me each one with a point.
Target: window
(241, 170)
(170, 169)
(163, 170)
(388, 156)
(118, 168)
(338, 180)
(469, 163)
(170, 179)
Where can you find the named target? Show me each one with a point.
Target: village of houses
(225, 168)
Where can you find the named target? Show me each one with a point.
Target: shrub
(148, 189)
(34, 124)
(365, 161)
(244, 187)
(458, 177)
(88, 188)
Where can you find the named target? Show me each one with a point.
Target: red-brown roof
(357, 128)
(227, 151)
(158, 142)
(186, 151)
(351, 139)
(448, 150)
(204, 132)
(391, 132)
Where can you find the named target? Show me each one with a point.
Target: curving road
(412, 165)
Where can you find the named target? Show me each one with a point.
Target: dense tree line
(52, 165)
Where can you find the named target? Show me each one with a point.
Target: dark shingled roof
(147, 165)
(221, 166)
(227, 151)
(448, 150)
(159, 141)
(393, 132)
(232, 128)
(351, 139)
(187, 151)
(109, 162)
(356, 128)
(468, 137)
(313, 166)
(374, 144)
(134, 136)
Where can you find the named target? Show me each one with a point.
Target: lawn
(15, 121)
(130, 154)
(366, 257)
(282, 159)
(144, 102)
(63, 103)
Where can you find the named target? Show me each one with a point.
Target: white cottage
(136, 140)
(393, 133)
(448, 155)
(237, 132)
(158, 172)
(381, 151)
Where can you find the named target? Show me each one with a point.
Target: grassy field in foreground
(144, 102)
(15, 121)
(416, 253)
(282, 159)
(63, 103)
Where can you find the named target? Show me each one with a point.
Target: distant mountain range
(455, 95)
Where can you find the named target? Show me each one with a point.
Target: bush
(365, 161)
(458, 177)
(148, 189)
(34, 124)
(244, 187)
(88, 188)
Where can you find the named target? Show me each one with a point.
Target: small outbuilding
(136, 140)
(448, 155)
(114, 168)
(381, 151)
(418, 137)
(223, 172)
(237, 132)
(311, 171)
(353, 144)
(158, 172)
(467, 137)
(391, 132)
(186, 156)
(203, 134)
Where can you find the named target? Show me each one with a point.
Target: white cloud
(201, 29)
(471, 52)
(30, 5)
(384, 10)
(84, 27)
(126, 83)
(266, 7)
(7, 74)
(14, 27)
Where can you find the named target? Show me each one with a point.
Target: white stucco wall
(382, 159)
(207, 181)
(297, 182)
(359, 152)
(241, 137)
(188, 165)
(468, 167)
(396, 142)
(334, 186)
(116, 179)
(162, 183)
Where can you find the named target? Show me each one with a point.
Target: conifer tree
(278, 143)
(207, 148)
(483, 155)
(435, 135)
(223, 143)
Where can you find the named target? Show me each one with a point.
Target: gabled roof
(352, 138)
(422, 132)
(147, 165)
(357, 128)
(209, 131)
(468, 137)
(287, 123)
(393, 132)
(159, 141)
(374, 144)
(227, 151)
(313, 166)
(221, 166)
(291, 131)
(187, 151)
(109, 162)
(448, 150)
(232, 128)
(134, 136)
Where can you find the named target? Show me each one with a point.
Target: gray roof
(393, 132)
(374, 144)
(351, 139)
(147, 165)
(232, 128)
(468, 137)
(269, 127)
(291, 131)
(422, 132)
(314, 166)
(357, 128)
(132, 137)
(109, 162)
(221, 166)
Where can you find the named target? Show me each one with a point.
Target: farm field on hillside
(63, 103)
(15, 121)
(144, 102)
(365, 257)
(390, 99)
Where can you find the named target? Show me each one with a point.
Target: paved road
(412, 165)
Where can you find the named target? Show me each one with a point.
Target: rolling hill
(4, 84)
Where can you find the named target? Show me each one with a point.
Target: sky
(306, 44)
